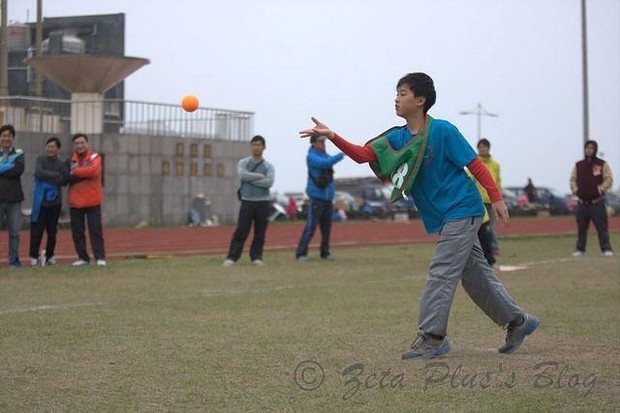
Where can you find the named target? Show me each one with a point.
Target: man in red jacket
(85, 199)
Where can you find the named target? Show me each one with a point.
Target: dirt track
(183, 241)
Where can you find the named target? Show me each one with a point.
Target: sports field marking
(50, 307)
(508, 268)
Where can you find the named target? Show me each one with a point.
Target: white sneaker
(258, 263)
(101, 263)
(51, 261)
(79, 263)
(34, 262)
(228, 263)
(578, 254)
(608, 253)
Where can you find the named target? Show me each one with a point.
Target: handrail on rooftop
(132, 117)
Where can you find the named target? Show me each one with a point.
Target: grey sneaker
(328, 258)
(578, 254)
(51, 261)
(228, 263)
(425, 347)
(80, 263)
(302, 258)
(516, 335)
(608, 253)
(258, 263)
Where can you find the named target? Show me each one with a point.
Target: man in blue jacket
(320, 191)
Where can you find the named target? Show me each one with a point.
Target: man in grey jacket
(257, 176)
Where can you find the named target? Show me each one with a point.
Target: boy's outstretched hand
(501, 211)
(318, 129)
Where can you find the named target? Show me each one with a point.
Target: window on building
(220, 170)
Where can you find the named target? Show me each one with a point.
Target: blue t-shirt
(442, 191)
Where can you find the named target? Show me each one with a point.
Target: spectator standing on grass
(320, 191)
(85, 199)
(484, 154)
(531, 193)
(11, 194)
(50, 174)
(257, 177)
(426, 158)
(589, 181)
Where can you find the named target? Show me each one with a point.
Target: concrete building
(157, 158)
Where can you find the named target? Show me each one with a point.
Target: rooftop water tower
(87, 78)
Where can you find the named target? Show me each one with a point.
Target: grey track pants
(458, 256)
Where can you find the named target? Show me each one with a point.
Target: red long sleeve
(359, 154)
(482, 175)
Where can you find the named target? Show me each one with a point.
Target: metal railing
(60, 116)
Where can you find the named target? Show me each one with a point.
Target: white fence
(54, 116)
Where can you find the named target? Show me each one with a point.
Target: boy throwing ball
(425, 159)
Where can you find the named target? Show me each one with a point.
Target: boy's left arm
(482, 175)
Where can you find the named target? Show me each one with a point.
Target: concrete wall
(136, 185)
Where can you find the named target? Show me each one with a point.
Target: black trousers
(598, 214)
(92, 215)
(251, 211)
(48, 221)
(485, 236)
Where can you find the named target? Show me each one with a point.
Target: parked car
(278, 207)
(348, 203)
(556, 203)
(518, 205)
(613, 203)
(547, 199)
(375, 202)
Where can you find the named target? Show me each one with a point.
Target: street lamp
(480, 112)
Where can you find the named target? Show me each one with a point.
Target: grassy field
(189, 335)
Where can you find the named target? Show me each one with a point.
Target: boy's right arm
(359, 154)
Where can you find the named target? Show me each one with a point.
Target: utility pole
(584, 63)
(479, 111)
(4, 52)
(39, 40)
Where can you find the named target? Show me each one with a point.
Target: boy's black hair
(420, 84)
(258, 138)
(79, 135)
(8, 127)
(55, 140)
(484, 141)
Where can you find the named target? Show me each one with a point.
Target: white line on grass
(50, 307)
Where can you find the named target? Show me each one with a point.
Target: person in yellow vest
(484, 154)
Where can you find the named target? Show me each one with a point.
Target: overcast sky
(339, 60)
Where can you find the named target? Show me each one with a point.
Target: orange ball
(190, 103)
